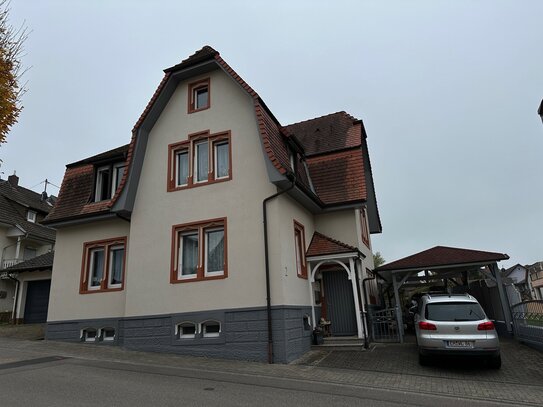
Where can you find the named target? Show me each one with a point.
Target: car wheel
(495, 362)
(423, 359)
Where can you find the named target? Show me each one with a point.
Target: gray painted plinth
(244, 333)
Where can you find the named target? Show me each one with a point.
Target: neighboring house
(216, 231)
(535, 271)
(518, 274)
(22, 238)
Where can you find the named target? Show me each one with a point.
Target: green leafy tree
(11, 89)
(378, 260)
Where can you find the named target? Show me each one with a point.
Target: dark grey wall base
(244, 333)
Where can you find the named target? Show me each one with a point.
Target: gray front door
(338, 293)
(37, 301)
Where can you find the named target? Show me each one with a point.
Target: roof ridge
(322, 117)
(19, 187)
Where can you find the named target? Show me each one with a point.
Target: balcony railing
(10, 262)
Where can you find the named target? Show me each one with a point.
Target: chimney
(13, 180)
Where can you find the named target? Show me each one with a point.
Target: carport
(448, 266)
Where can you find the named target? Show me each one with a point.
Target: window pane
(189, 257)
(201, 98)
(455, 311)
(202, 164)
(29, 253)
(96, 267)
(297, 242)
(116, 265)
(182, 167)
(215, 251)
(222, 157)
(119, 172)
(103, 191)
(212, 329)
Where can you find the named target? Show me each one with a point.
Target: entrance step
(341, 343)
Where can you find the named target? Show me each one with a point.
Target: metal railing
(528, 321)
(10, 262)
(383, 325)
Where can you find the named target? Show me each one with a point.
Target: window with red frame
(199, 96)
(299, 244)
(203, 159)
(199, 251)
(364, 227)
(103, 266)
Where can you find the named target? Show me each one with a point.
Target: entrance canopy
(444, 264)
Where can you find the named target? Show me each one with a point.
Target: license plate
(460, 344)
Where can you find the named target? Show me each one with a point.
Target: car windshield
(454, 311)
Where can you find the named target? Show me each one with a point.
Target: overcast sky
(447, 90)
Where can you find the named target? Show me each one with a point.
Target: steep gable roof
(322, 245)
(338, 178)
(13, 200)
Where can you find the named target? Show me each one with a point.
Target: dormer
(107, 179)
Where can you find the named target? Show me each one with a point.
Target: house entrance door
(338, 292)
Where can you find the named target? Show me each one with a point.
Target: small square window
(108, 334)
(211, 329)
(199, 96)
(186, 330)
(88, 335)
(31, 216)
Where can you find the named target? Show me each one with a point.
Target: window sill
(102, 290)
(198, 110)
(198, 184)
(195, 279)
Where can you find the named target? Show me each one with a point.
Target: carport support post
(503, 298)
(398, 307)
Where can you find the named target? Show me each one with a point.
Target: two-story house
(24, 294)
(535, 271)
(216, 231)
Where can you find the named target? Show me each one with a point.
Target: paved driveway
(396, 366)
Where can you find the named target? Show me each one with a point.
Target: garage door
(37, 301)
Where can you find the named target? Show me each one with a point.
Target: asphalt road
(58, 381)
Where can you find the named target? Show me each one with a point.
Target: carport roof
(442, 256)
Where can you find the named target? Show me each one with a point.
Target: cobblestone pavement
(392, 367)
(520, 380)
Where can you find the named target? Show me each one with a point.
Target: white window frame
(107, 338)
(31, 216)
(206, 246)
(110, 265)
(215, 160)
(203, 329)
(91, 287)
(180, 275)
(85, 335)
(195, 96)
(179, 330)
(177, 153)
(195, 154)
(98, 189)
(114, 176)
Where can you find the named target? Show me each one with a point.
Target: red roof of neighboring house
(322, 245)
(337, 175)
(442, 256)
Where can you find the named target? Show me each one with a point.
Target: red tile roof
(74, 198)
(328, 133)
(443, 256)
(322, 245)
(338, 176)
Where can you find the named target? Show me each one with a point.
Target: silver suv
(455, 325)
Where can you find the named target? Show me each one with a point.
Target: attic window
(31, 216)
(199, 96)
(108, 180)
